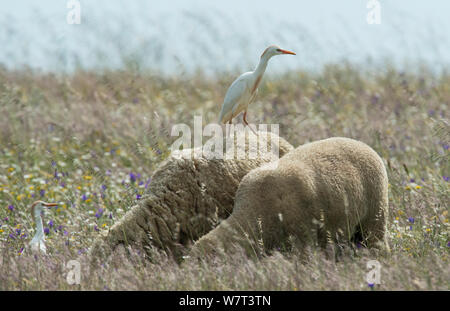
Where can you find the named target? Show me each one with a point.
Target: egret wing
(235, 94)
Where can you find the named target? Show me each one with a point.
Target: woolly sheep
(188, 198)
(329, 190)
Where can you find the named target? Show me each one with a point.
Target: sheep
(332, 190)
(188, 198)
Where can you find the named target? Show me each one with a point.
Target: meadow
(91, 140)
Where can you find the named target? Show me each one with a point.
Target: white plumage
(244, 89)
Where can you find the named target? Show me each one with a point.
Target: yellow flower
(1, 231)
(400, 213)
(10, 169)
(407, 188)
(87, 177)
(31, 187)
(428, 230)
(19, 197)
(88, 200)
(418, 187)
(396, 218)
(79, 187)
(104, 225)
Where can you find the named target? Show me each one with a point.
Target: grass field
(92, 140)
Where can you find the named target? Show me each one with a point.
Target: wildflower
(407, 188)
(110, 216)
(1, 231)
(11, 207)
(132, 177)
(87, 177)
(46, 230)
(18, 231)
(50, 223)
(11, 169)
(84, 197)
(411, 219)
(42, 192)
(65, 232)
(412, 180)
(21, 251)
(148, 182)
(96, 228)
(104, 187)
(99, 213)
(138, 196)
(104, 225)
(418, 187)
(428, 230)
(448, 244)
(410, 228)
(446, 178)
(370, 285)
(12, 236)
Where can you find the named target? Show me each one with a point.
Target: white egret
(38, 242)
(243, 90)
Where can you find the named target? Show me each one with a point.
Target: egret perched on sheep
(38, 242)
(243, 90)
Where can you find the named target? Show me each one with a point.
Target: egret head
(38, 206)
(275, 50)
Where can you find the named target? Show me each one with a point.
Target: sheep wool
(333, 190)
(188, 198)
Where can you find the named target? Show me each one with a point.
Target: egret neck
(39, 226)
(260, 69)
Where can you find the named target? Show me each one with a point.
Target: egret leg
(246, 123)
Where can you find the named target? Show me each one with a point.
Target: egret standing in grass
(243, 90)
(38, 242)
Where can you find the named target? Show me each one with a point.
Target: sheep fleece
(187, 199)
(329, 190)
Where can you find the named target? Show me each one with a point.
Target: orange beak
(50, 204)
(286, 52)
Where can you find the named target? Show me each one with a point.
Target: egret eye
(278, 50)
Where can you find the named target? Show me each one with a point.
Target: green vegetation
(92, 140)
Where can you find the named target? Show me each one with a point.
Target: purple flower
(50, 224)
(18, 231)
(138, 196)
(42, 192)
(11, 207)
(158, 151)
(370, 285)
(448, 244)
(445, 146)
(132, 177)
(104, 187)
(410, 228)
(56, 174)
(21, 250)
(110, 216)
(99, 213)
(141, 183)
(46, 230)
(84, 197)
(96, 228)
(65, 232)
(59, 228)
(411, 219)
(148, 182)
(12, 236)
(446, 178)
(113, 151)
(108, 172)
(412, 180)
(53, 163)
(5, 219)
(63, 184)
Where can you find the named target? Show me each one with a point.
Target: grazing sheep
(187, 199)
(329, 190)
